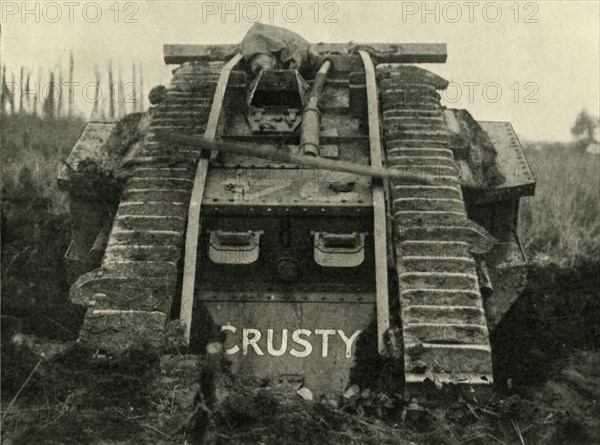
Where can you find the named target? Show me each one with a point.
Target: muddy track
(444, 326)
(132, 292)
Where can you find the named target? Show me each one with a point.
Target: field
(545, 348)
(561, 223)
(35, 224)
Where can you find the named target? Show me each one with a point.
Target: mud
(101, 176)
(557, 314)
(480, 152)
(546, 371)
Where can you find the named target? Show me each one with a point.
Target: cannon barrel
(278, 155)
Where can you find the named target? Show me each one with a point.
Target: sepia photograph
(300, 222)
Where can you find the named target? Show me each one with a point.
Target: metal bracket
(330, 151)
(339, 250)
(234, 247)
(292, 115)
(258, 112)
(273, 119)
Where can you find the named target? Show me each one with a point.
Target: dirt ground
(547, 389)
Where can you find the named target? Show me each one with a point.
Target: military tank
(284, 198)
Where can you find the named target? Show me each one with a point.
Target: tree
(111, 90)
(59, 95)
(21, 85)
(141, 106)
(135, 92)
(71, 92)
(38, 104)
(27, 85)
(97, 98)
(584, 127)
(121, 96)
(11, 96)
(49, 105)
(4, 92)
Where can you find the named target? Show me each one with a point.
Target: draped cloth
(289, 48)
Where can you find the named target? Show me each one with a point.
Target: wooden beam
(382, 52)
(390, 52)
(379, 216)
(193, 225)
(178, 54)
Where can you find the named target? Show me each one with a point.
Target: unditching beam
(283, 156)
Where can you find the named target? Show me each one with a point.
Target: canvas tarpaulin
(289, 48)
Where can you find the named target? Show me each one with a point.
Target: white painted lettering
(349, 341)
(325, 344)
(247, 341)
(235, 348)
(284, 341)
(307, 345)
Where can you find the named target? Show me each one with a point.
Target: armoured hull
(287, 264)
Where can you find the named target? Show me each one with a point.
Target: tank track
(444, 326)
(130, 296)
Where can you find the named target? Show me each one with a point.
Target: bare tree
(135, 89)
(38, 92)
(21, 81)
(111, 89)
(71, 92)
(11, 95)
(4, 92)
(141, 89)
(27, 98)
(95, 112)
(121, 96)
(103, 117)
(50, 99)
(59, 93)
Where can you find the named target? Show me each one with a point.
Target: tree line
(111, 96)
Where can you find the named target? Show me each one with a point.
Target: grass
(35, 224)
(33, 150)
(561, 223)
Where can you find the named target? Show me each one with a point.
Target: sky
(535, 64)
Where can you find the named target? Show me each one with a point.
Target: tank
(300, 202)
